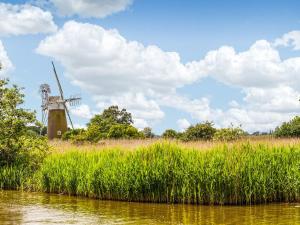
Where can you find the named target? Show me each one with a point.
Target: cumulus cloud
(142, 78)
(117, 71)
(82, 111)
(90, 8)
(24, 19)
(259, 66)
(289, 39)
(183, 124)
(5, 63)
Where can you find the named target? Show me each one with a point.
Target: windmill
(54, 109)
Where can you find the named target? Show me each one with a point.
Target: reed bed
(237, 173)
(134, 144)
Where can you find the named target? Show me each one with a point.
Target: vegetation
(113, 123)
(229, 134)
(164, 172)
(147, 132)
(170, 134)
(239, 173)
(21, 149)
(201, 131)
(289, 129)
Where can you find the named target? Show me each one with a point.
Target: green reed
(164, 172)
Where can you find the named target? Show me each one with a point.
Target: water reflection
(37, 208)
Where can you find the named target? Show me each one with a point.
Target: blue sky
(239, 60)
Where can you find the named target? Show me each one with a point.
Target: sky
(170, 63)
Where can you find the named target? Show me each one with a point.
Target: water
(37, 208)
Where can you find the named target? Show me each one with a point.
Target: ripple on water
(38, 208)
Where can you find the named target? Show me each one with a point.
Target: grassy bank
(164, 172)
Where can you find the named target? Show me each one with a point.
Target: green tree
(170, 133)
(201, 131)
(16, 139)
(289, 129)
(147, 131)
(100, 125)
(117, 116)
(119, 131)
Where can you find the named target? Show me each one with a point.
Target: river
(38, 208)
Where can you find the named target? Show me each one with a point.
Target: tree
(117, 116)
(147, 131)
(100, 125)
(201, 131)
(123, 131)
(289, 129)
(15, 122)
(169, 133)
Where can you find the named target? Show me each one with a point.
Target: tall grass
(165, 172)
(14, 177)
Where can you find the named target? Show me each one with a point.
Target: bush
(289, 129)
(72, 134)
(201, 131)
(170, 134)
(229, 134)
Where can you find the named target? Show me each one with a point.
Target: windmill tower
(54, 109)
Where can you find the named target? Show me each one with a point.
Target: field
(251, 171)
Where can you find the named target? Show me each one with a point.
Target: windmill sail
(62, 95)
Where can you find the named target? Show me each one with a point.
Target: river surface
(38, 208)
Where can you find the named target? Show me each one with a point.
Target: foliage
(163, 172)
(71, 134)
(229, 134)
(201, 131)
(76, 136)
(22, 150)
(289, 129)
(147, 131)
(119, 131)
(100, 124)
(170, 133)
(16, 139)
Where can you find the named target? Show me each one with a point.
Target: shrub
(201, 131)
(289, 129)
(71, 134)
(229, 134)
(169, 133)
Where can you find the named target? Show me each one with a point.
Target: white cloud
(142, 78)
(289, 39)
(90, 8)
(6, 64)
(24, 19)
(82, 111)
(117, 71)
(259, 66)
(183, 124)
(79, 126)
